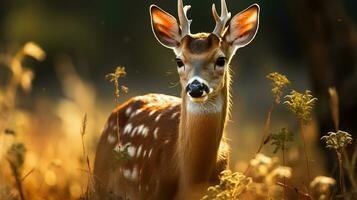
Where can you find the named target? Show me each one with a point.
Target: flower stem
(340, 165)
(305, 151)
(350, 168)
(266, 134)
(284, 179)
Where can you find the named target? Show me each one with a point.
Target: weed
(120, 152)
(260, 183)
(280, 139)
(231, 186)
(301, 105)
(15, 157)
(279, 82)
(114, 78)
(338, 141)
(89, 194)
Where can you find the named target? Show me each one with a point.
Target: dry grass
(54, 163)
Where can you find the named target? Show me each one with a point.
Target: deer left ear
(243, 27)
(165, 27)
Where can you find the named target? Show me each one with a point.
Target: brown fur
(163, 165)
(200, 43)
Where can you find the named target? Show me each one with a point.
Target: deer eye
(221, 61)
(179, 62)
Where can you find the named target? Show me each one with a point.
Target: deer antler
(184, 21)
(220, 20)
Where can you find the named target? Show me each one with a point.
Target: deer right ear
(165, 27)
(243, 27)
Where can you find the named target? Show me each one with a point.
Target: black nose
(195, 89)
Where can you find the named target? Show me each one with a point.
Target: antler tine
(184, 21)
(220, 20)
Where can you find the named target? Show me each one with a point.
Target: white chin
(199, 100)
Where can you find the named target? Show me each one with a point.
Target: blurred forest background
(312, 42)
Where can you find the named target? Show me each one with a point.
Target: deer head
(203, 58)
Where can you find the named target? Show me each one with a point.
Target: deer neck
(200, 133)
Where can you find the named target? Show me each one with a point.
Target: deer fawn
(177, 146)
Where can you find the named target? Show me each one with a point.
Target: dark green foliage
(280, 139)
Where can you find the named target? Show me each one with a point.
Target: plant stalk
(265, 133)
(18, 182)
(305, 151)
(340, 165)
(350, 169)
(284, 179)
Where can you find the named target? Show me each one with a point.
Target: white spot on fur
(174, 115)
(144, 154)
(139, 151)
(134, 131)
(145, 131)
(127, 173)
(131, 151)
(158, 117)
(140, 128)
(128, 128)
(134, 173)
(152, 112)
(111, 139)
(167, 141)
(138, 111)
(128, 111)
(150, 152)
(155, 132)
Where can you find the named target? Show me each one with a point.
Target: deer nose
(197, 89)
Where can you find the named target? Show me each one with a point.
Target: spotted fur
(151, 139)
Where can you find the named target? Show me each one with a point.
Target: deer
(176, 147)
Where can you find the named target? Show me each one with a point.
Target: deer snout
(197, 89)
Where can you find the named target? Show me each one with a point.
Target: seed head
(337, 141)
(278, 82)
(301, 104)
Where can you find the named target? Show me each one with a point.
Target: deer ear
(243, 27)
(165, 27)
